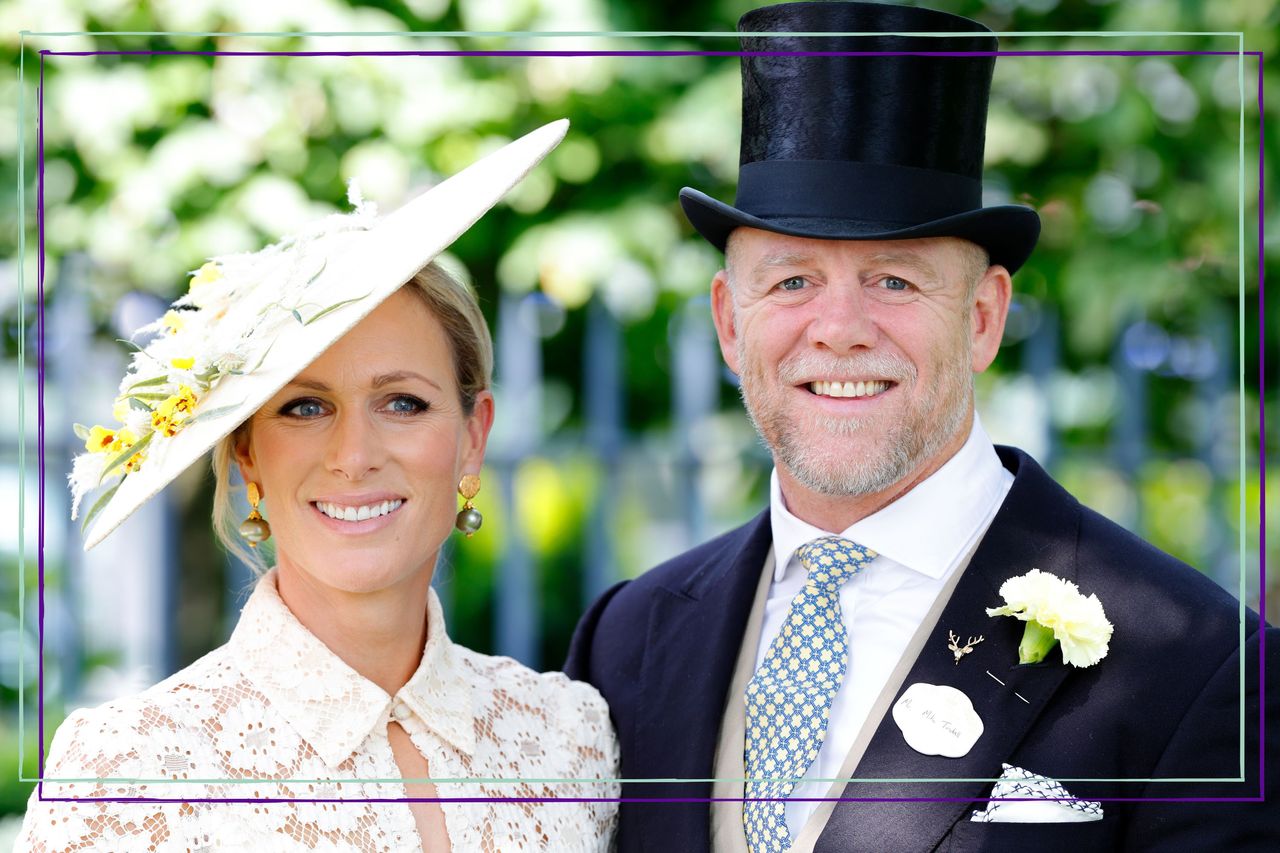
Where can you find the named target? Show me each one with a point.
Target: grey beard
(912, 443)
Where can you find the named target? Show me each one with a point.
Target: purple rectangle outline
(1262, 453)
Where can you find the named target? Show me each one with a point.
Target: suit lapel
(694, 633)
(1035, 528)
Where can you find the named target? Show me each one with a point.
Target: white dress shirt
(920, 539)
(275, 703)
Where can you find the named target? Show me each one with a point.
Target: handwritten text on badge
(937, 720)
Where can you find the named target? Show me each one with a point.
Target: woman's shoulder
(508, 677)
(559, 728)
(154, 731)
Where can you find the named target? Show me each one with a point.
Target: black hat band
(838, 189)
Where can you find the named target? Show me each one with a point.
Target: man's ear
(722, 314)
(988, 314)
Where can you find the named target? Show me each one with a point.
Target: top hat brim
(367, 265)
(1008, 232)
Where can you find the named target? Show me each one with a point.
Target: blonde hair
(455, 307)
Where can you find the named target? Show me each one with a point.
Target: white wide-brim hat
(252, 322)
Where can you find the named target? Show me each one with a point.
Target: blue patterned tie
(789, 697)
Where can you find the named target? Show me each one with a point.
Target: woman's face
(358, 458)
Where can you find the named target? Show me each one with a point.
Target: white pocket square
(1049, 802)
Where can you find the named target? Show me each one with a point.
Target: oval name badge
(937, 720)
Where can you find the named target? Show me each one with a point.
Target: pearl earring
(469, 518)
(255, 528)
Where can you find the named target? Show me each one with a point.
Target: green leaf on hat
(212, 413)
(99, 504)
(334, 307)
(324, 262)
(155, 380)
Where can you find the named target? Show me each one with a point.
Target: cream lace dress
(275, 704)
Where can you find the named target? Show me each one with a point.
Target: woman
(353, 405)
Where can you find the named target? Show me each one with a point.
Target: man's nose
(841, 322)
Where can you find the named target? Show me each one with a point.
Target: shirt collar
(331, 706)
(955, 500)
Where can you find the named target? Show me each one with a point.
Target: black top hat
(865, 147)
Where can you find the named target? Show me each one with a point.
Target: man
(845, 633)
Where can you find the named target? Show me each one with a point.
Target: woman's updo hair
(450, 302)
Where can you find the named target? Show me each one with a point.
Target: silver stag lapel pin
(958, 650)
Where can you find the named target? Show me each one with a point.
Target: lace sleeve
(89, 746)
(585, 715)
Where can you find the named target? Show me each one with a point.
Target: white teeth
(351, 513)
(848, 389)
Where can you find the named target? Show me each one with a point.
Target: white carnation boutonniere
(1056, 612)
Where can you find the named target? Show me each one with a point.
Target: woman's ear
(242, 454)
(478, 424)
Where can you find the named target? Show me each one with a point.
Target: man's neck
(837, 513)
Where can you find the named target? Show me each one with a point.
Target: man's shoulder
(1125, 570)
(614, 626)
(1159, 587)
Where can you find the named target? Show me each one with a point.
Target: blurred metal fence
(147, 641)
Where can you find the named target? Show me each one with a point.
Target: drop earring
(469, 518)
(255, 528)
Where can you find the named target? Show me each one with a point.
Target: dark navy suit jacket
(1168, 701)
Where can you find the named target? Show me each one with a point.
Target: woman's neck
(378, 634)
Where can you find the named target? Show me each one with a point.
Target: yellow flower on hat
(167, 418)
(99, 440)
(183, 363)
(125, 438)
(173, 320)
(112, 442)
(207, 274)
(184, 400)
(162, 421)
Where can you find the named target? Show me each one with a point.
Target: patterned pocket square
(1052, 803)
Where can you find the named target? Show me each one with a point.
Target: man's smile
(856, 388)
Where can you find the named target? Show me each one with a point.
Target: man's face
(857, 357)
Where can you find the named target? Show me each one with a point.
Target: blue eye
(407, 405)
(895, 283)
(308, 408)
(793, 284)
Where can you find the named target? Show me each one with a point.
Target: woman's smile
(357, 516)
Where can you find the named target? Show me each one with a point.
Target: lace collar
(331, 706)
